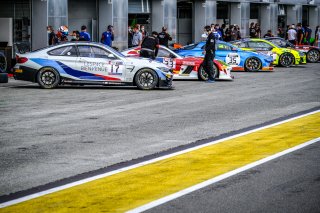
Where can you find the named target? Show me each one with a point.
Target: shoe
(210, 81)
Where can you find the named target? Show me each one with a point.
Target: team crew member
(108, 36)
(84, 36)
(164, 37)
(52, 36)
(209, 54)
(150, 46)
(136, 37)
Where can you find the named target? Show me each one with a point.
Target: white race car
(89, 63)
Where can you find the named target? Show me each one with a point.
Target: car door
(63, 58)
(96, 63)
(225, 53)
(164, 56)
(262, 47)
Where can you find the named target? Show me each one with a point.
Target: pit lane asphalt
(48, 135)
(287, 184)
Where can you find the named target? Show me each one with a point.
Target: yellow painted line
(136, 187)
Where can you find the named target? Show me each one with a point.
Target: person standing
(150, 46)
(308, 32)
(52, 38)
(317, 38)
(137, 37)
(130, 36)
(300, 34)
(228, 33)
(209, 54)
(258, 30)
(292, 35)
(108, 36)
(252, 30)
(268, 34)
(75, 35)
(144, 32)
(84, 36)
(164, 37)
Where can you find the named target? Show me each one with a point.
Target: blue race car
(240, 60)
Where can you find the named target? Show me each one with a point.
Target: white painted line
(86, 180)
(219, 178)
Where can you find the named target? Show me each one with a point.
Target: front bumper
(166, 82)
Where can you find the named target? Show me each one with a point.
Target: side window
(100, 53)
(85, 51)
(163, 53)
(64, 51)
(223, 47)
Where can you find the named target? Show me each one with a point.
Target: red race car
(312, 52)
(185, 68)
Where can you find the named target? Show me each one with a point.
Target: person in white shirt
(292, 35)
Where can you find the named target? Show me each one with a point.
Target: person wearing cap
(209, 54)
(164, 37)
(150, 46)
(84, 36)
(108, 36)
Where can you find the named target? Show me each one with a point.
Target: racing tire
(313, 56)
(203, 76)
(252, 64)
(286, 59)
(3, 63)
(146, 79)
(48, 78)
(3, 78)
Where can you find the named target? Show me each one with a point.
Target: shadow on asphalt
(89, 88)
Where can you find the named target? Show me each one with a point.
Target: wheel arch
(134, 77)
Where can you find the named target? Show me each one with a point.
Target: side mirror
(234, 49)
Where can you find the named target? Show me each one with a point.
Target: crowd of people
(63, 33)
(295, 34)
(230, 33)
(137, 34)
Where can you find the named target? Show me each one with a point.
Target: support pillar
(205, 13)
(294, 14)
(240, 15)
(269, 18)
(164, 13)
(39, 21)
(314, 18)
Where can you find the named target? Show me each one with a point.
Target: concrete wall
(120, 23)
(7, 29)
(39, 20)
(105, 17)
(199, 19)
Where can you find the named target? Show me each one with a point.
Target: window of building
(254, 11)
(222, 10)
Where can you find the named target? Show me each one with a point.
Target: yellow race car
(282, 56)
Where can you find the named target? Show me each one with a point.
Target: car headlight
(164, 69)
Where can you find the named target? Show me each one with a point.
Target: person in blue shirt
(108, 36)
(84, 36)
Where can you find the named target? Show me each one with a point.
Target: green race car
(282, 56)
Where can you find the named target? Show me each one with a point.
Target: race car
(282, 56)
(185, 68)
(89, 63)
(312, 52)
(238, 59)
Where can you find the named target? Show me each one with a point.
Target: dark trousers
(208, 66)
(292, 42)
(147, 54)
